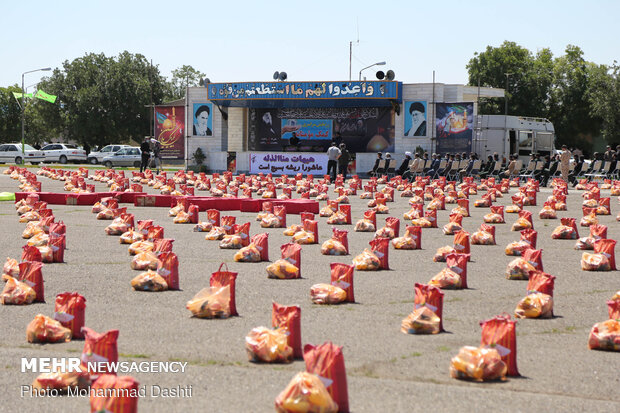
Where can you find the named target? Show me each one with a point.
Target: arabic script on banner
(288, 163)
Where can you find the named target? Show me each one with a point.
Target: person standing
(333, 153)
(145, 148)
(156, 149)
(343, 160)
(565, 162)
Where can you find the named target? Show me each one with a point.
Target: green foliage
(10, 115)
(199, 156)
(571, 92)
(183, 77)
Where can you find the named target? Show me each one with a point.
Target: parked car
(63, 153)
(12, 152)
(97, 157)
(128, 156)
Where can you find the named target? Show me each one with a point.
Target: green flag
(19, 95)
(44, 96)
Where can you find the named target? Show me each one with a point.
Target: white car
(97, 157)
(128, 156)
(63, 153)
(12, 152)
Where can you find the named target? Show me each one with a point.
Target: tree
(569, 108)
(10, 115)
(183, 77)
(604, 98)
(529, 78)
(103, 99)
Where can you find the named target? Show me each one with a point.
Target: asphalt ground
(387, 371)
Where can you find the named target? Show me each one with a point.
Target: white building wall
(214, 146)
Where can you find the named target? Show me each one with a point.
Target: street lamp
(367, 67)
(506, 137)
(45, 69)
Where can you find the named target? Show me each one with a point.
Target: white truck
(512, 134)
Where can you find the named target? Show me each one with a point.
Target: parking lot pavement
(386, 370)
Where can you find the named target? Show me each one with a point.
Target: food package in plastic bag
(523, 222)
(32, 228)
(114, 394)
(327, 294)
(485, 236)
(11, 267)
(39, 240)
(144, 260)
(211, 302)
(547, 211)
(461, 242)
(605, 336)
(31, 254)
(227, 222)
(380, 247)
(203, 226)
(305, 393)
(308, 235)
(446, 279)
(61, 378)
(289, 318)
(519, 269)
(422, 222)
(216, 234)
(338, 218)
(500, 333)
(154, 232)
(149, 281)
(29, 216)
(168, 269)
(213, 216)
(535, 305)
(46, 330)
(455, 224)
(231, 242)
(364, 225)
(327, 361)
(140, 246)
(342, 277)
(603, 207)
(333, 247)
(247, 254)
(421, 321)
(69, 311)
(567, 229)
(226, 278)
(288, 266)
(181, 206)
(595, 262)
(268, 345)
(442, 252)
(412, 240)
(105, 214)
(182, 218)
(478, 364)
(270, 221)
(330, 209)
(130, 236)
(391, 229)
(30, 274)
(16, 292)
(589, 219)
(381, 208)
(431, 297)
(293, 229)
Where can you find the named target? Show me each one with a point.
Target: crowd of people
(568, 163)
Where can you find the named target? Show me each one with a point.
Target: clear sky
(234, 40)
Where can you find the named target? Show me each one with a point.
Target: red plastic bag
(394, 223)
(431, 297)
(313, 227)
(30, 274)
(613, 308)
(457, 262)
(227, 223)
(540, 282)
(261, 241)
(31, 253)
(461, 242)
(499, 332)
(432, 217)
(225, 278)
(292, 253)
(598, 231)
(306, 215)
(57, 244)
(162, 245)
(380, 247)
(213, 216)
(464, 203)
(114, 394)
(289, 318)
(280, 212)
(342, 276)
(601, 246)
(143, 226)
(99, 348)
(168, 269)
(69, 311)
(193, 213)
(244, 232)
(327, 362)
(341, 236)
(155, 232)
(534, 257)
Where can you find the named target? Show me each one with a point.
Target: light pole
(367, 67)
(45, 69)
(506, 137)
